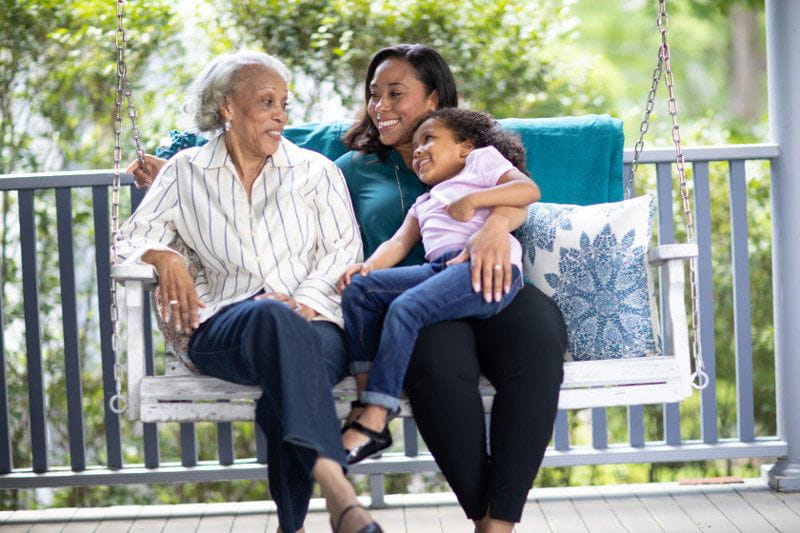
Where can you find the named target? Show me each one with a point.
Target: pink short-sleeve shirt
(440, 232)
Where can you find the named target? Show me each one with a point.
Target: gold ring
(498, 267)
(173, 302)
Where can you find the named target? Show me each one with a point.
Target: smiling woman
(272, 227)
(255, 115)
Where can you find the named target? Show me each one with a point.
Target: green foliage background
(511, 58)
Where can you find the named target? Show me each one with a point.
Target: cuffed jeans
(385, 311)
(296, 363)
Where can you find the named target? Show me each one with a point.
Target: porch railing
(108, 466)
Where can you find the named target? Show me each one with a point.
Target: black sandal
(355, 404)
(372, 527)
(378, 441)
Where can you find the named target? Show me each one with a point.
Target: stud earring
(227, 125)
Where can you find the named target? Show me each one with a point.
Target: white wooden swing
(181, 396)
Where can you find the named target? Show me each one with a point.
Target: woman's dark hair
(430, 68)
(482, 130)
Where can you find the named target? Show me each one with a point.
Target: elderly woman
(272, 227)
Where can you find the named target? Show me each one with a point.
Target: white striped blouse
(296, 235)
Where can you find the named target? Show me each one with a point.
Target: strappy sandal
(355, 404)
(372, 527)
(378, 441)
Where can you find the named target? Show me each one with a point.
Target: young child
(471, 165)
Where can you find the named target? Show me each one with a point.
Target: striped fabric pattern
(295, 235)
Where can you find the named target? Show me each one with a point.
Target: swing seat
(180, 396)
(575, 160)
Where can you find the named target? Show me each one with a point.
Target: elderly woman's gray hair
(218, 79)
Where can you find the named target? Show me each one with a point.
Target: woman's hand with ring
(489, 251)
(176, 290)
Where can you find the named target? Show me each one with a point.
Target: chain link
(117, 403)
(644, 126)
(699, 378)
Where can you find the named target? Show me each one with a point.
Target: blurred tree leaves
(505, 54)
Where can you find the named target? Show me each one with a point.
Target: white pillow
(592, 261)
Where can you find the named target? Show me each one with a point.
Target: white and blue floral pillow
(592, 261)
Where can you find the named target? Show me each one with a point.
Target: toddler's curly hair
(482, 130)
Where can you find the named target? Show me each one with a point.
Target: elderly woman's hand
(176, 290)
(144, 177)
(301, 309)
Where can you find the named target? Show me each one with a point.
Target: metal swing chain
(118, 403)
(699, 377)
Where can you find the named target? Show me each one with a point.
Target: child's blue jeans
(385, 311)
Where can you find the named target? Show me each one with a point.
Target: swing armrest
(670, 258)
(134, 279)
(145, 274)
(671, 252)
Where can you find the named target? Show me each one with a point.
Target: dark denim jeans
(296, 363)
(385, 311)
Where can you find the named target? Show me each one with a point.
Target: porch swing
(182, 396)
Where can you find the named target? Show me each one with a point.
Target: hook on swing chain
(699, 378)
(117, 403)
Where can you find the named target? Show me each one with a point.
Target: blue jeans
(385, 311)
(296, 363)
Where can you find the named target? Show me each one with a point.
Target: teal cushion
(324, 138)
(574, 160)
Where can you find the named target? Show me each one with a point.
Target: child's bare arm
(513, 189)
(388, 254)
(391, 252)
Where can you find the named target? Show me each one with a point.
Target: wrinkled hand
(489, 251)
(356, 268)
(462, 209)
(301, 309)
(178, 298)
(144, 177)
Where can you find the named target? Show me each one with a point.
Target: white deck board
(629, 510)
(562, 516)
(533, 521)
(251, 523)
(670, 517)
(791, 499)
(771, 508)
(453, 519)
(597, 514)
(423, 520)
(147, 525)
(750, 507)
(703, 513)
(216, 524)
(738, 511)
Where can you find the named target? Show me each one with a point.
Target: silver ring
(498, 267)
(173, 302)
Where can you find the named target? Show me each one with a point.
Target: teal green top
(375, 188)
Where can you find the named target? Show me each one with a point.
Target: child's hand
(462, 209)
(356, 268)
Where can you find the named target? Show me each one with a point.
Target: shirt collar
(214, 154)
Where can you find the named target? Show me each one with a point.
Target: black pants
(520, 351)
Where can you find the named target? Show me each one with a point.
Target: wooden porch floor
(747, 507)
